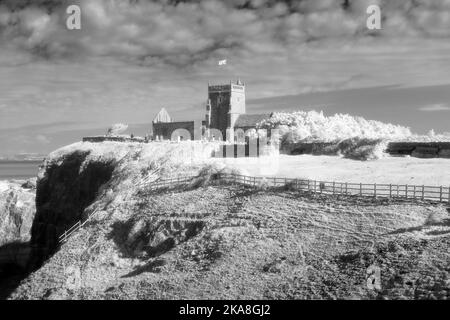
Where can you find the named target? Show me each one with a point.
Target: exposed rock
(29, 184)
(74, 178)
(157, 236)
(17, 209)
(65, 188)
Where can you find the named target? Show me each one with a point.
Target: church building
(225, 109)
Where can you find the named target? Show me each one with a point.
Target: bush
(362, 149)
(263, 184)
(314, 126)
(212, 172)
(117, 129)
(433, 219)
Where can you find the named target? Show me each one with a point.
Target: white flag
(222, 62)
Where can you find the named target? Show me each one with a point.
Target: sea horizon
(18, 169)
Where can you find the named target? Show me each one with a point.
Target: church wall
(165, 129)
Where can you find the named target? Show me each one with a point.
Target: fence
(433, 193)
(162, 183)
(422, 192)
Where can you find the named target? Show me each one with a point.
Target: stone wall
(164, 130)
(420, 149)
(113, 138)
(316, 148)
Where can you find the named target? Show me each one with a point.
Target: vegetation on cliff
(350, 136)
(204, 240)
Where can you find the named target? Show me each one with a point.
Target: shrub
(315, 126)
(116, 129)
(432, 219)
(362, 149)
(263, 184)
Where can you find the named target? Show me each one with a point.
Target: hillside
(209, 241)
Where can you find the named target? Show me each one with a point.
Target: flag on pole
(222, 62)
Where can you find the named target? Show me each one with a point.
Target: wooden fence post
(375, 190)
(360, 189)
(414, 192)
(346, 188)
(423, 192)
(334, 183)
(406, 191)
(440, 194)
(390, 190)
(315, 185)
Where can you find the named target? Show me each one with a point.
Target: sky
(133, 57)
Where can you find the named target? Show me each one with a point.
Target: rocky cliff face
(66, 186)
(64, 190)
(17, 209)
(79, 179)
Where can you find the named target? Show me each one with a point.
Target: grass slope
(231, 242)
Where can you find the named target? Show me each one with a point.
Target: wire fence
(394, 191)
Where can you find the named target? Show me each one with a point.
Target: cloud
(435, 107)
(181, 33)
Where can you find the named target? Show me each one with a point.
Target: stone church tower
(225, 109)
(224, 106)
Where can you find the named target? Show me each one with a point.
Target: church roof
(162, 116)
(250, 120)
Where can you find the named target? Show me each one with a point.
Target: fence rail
(395, 191)
(418, 192)
(162, 183)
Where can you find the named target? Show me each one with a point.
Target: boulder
(29, 184)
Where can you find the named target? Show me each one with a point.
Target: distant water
(18, 169)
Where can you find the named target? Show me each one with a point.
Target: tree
(117, 129)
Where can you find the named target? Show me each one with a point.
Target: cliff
(210, 241)
(17, 209)
(79, 179)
